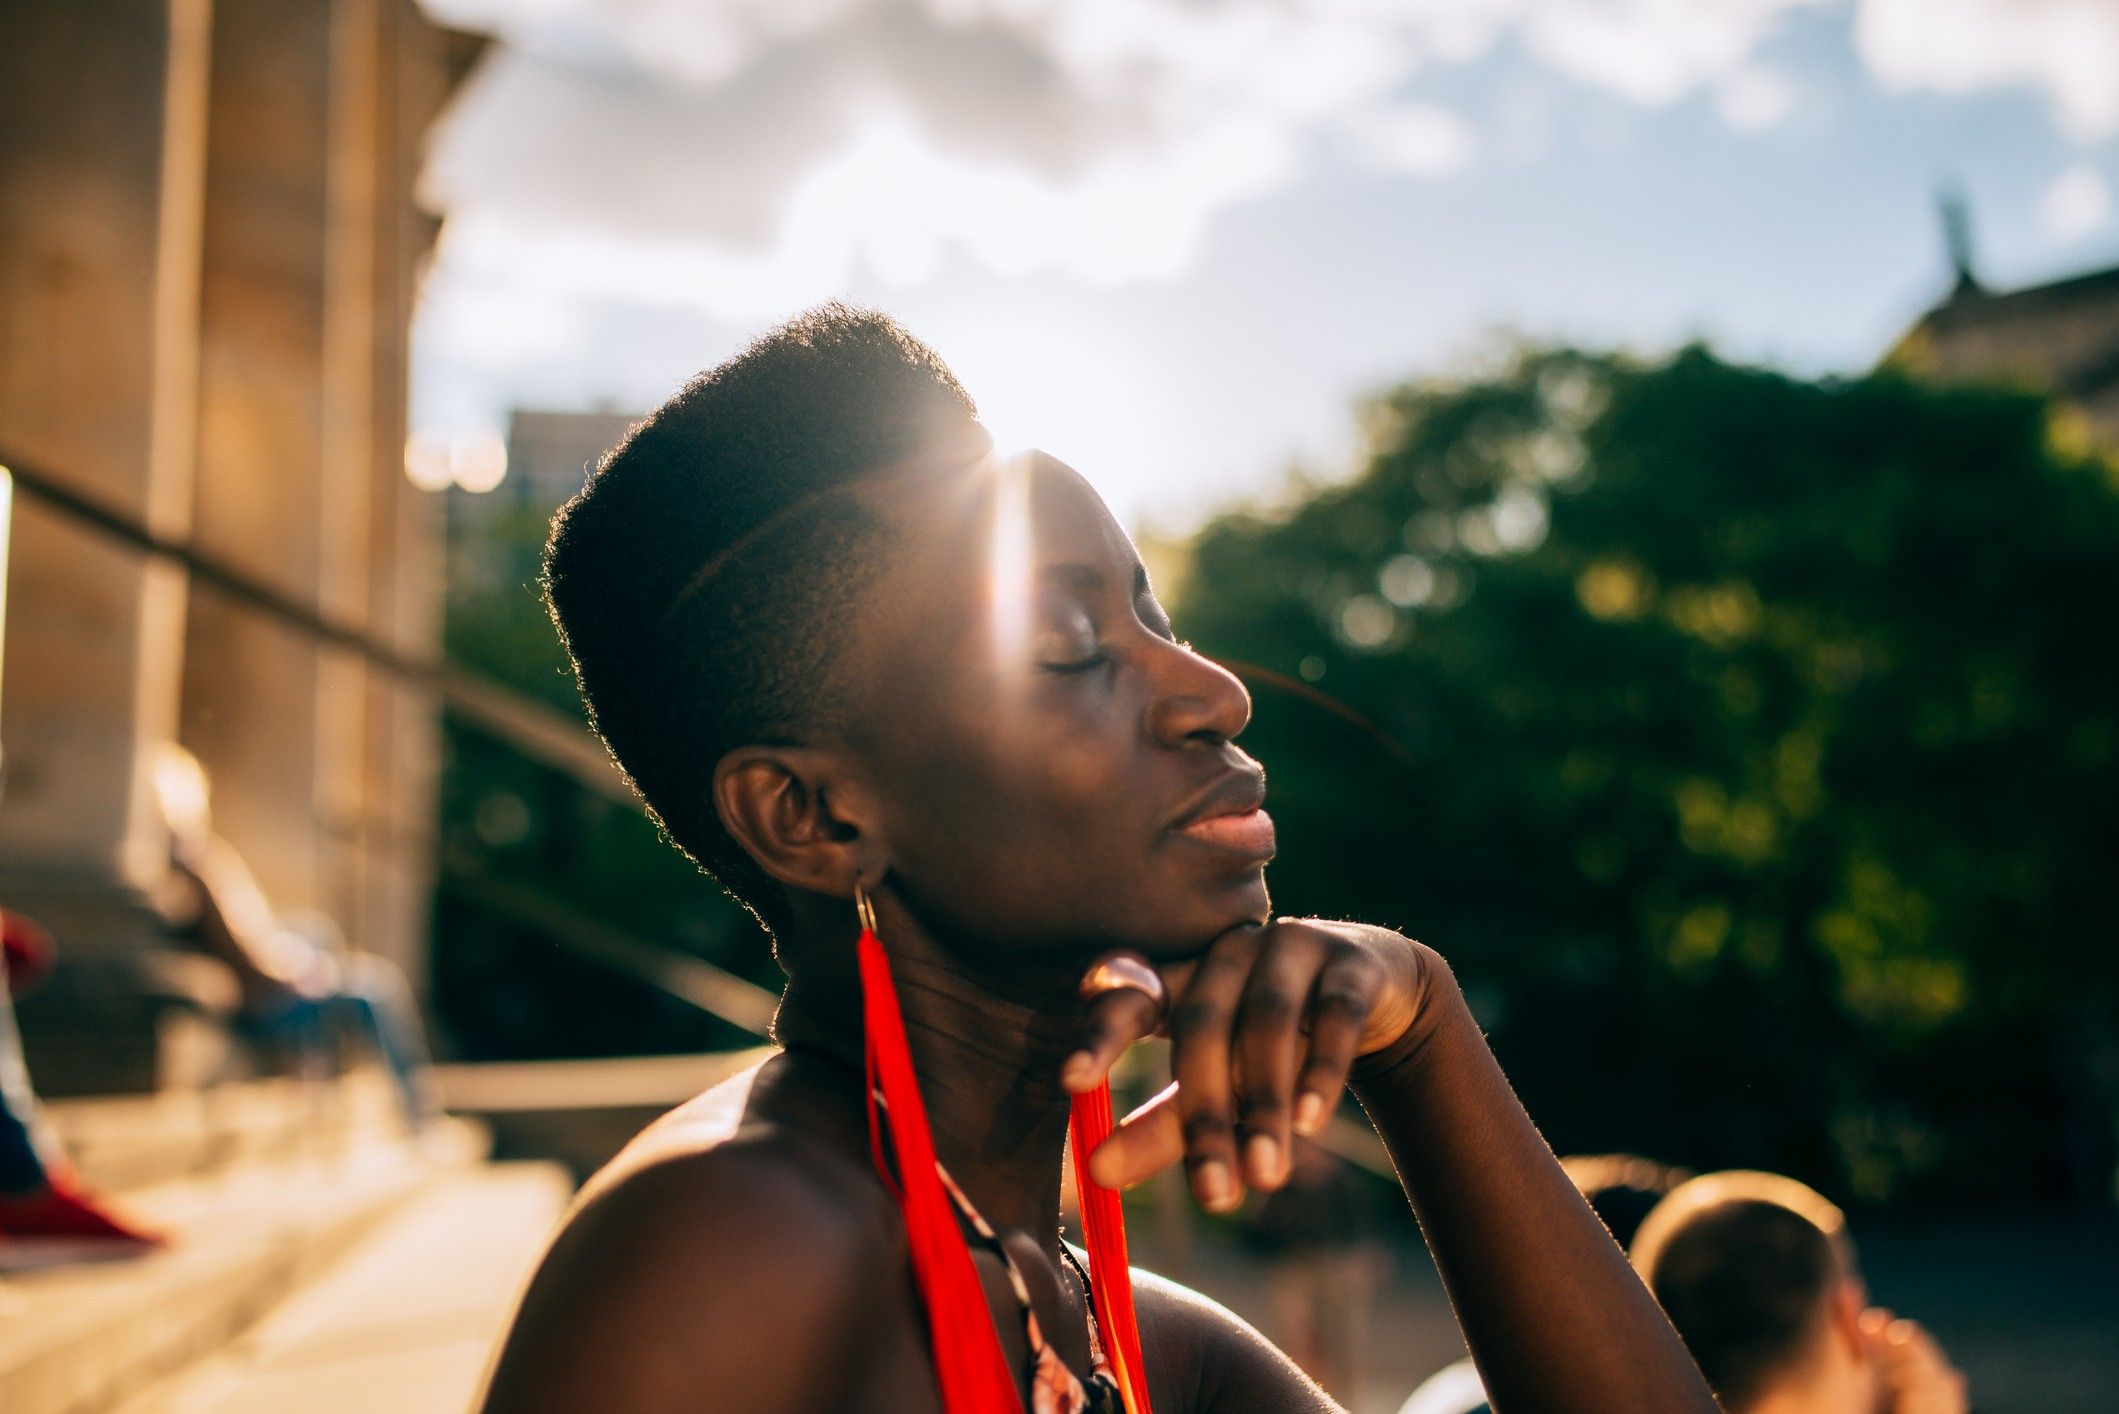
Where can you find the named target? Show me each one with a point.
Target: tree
(1747, 743)
(504, 985)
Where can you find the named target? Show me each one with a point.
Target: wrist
(1438, 1007)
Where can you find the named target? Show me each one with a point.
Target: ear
(800, 813)
(1844, 1304)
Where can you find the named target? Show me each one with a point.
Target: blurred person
(46, 1215)
(299, 981)
(1759, 1275)
(916, 706)
(1622, 1190)
(1323, 1263)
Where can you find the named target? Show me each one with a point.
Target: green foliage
(506, 990)
(1748, 744)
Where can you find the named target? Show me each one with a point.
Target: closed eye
(1067, 640)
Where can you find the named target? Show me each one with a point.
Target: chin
(1249, 901)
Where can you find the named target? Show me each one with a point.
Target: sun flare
(1008, 567)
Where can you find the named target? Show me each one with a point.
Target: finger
(1201, 1025)
(1346, 992)
(1921, 1348)
(1872, 1323)
(1177, 976)
(1270, 1047)
(1111, 1023)
(1142, 1145)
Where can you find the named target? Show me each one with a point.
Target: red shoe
(63, 1225)
(27, 950)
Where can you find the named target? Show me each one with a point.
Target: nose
(1195, 699)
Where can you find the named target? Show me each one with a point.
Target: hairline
(921, 465)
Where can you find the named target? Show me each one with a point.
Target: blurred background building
(2061, 338)
(211, 252)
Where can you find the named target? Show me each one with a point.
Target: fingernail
(1213, 1185)
(1262, 1156)
(1079, 1067)
(1309, 1113)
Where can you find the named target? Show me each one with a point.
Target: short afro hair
(1741, 1262)
(702, 577)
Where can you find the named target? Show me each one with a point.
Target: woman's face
(1056, 773)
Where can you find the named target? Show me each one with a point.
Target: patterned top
(1054, 1389)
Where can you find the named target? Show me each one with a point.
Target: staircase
(319, 1260)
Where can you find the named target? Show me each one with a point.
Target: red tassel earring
(969, 1364)
(968, 1361)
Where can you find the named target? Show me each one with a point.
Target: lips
(1250, 833)
(1230, 817)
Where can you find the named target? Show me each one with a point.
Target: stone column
(322, 765)
(392, 840)
(250, 684)
(102, 166)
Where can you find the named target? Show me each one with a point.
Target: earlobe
(795, 811)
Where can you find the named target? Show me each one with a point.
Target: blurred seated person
(46, 1216)
(1759, 1276)
(298, 978)
(1622, 1190)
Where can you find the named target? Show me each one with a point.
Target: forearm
(1554, 1316)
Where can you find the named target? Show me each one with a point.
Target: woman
(859, 666)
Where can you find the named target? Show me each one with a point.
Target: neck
(1816, 1386)
(988, 1065)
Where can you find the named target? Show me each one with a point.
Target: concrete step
(406, 1322)
(580, 1112)
(120, 1143)
(80, 1339)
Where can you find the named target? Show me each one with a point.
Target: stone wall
(208, 252)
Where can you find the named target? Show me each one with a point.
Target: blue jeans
(373, 1002)
(25, 1145)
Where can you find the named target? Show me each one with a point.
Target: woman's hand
(1265, 1028)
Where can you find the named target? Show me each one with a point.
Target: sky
(1176, 242)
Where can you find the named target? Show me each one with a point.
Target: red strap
(968, 1362)
(1110, 1270)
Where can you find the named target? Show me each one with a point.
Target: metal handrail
(538, 731)
(692, 980)
(515, 719)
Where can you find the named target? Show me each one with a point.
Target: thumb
(1144, 1144)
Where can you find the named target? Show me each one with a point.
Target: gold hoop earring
(864, 907)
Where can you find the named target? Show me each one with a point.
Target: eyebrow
(1088, 579)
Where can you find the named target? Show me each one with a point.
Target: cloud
(2070, 48)
(2078, 202)
(1424, 139)
(746, 152)
(1651, 51)
(743, 157)
(1755, 98)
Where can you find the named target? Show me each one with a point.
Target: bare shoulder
(706, 1274)
(1201, 1356)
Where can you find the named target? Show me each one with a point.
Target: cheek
(1027, 821)
(1080, 782)
(1030, 793)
